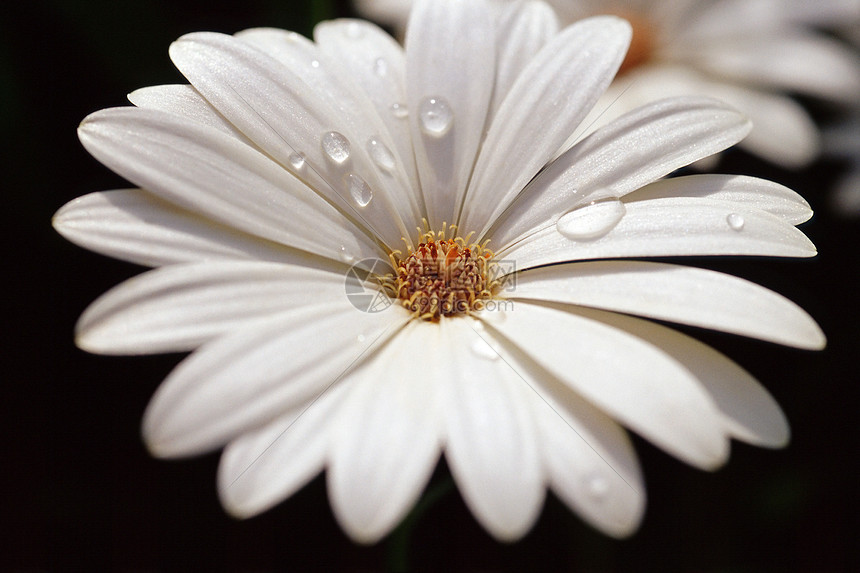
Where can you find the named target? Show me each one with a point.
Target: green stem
(397, 556)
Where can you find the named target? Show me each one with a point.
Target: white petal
(783, 131)
(492, 446)
(377, 63)
(676, 226)
(452, 89)
(549, 99)
(729, 19)
(747, 411)
(632, 151)
(291, 110)
(523, 29)
(137, 226)
(261, 468)
(589, 460)
(184, 100)
(627, 377)
(330, 81)
(789, 60)
(203, 170)
(239, 382)
(180, 307)
(686, 295)
(753, 192)
(387, 438)
(602, 485)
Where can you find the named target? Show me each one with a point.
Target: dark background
(83, 494)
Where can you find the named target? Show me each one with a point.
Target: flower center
(642, 45)
(443, 277)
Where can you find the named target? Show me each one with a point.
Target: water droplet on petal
(359, 189)
(735, 221)
(315, 64)
(345, 256)
(484, 350)
(591, 221)
(380, 154)
(597, 486)
(435, 116)
(336, 146)
(380, 67)
(297, 161)
(399, 110)
(360, 338)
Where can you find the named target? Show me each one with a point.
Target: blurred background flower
(84, 494)
(752, 54)
(842, 134)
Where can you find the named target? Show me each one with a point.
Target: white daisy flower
(749, 53)
(291, 176)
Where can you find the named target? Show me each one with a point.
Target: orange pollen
(443, 277)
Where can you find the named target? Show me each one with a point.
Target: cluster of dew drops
(435, 117)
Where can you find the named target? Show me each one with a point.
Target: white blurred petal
(787, 60)
(390, 12)
(783, 131)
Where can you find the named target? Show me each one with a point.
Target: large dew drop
(380, 154)
(335, 146)
(591, 221)
(359, 189)
(435, 116)
(736, 222)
